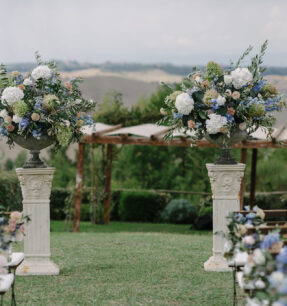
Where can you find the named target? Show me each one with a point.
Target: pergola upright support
(79, 183)
(243, 159)
(253, 178)
(107, 200)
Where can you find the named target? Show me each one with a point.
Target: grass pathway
(128, 264)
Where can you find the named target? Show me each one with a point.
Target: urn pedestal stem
(36, 189)
(225, 184)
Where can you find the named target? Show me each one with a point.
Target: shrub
(58, 198)
(204, 220)
(115, 204)
(179, 211)
(10, 192)
(141, 206)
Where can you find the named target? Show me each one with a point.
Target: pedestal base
(38, 267)
(216, 264)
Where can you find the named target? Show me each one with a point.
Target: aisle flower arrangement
(265, 269)
(12, 229)
(220, 101)
(40, 103)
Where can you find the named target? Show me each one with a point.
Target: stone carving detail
(225, 182)
(36, 186)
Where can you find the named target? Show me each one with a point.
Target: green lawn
(128, 264)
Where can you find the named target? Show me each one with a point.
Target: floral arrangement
(267, 270)
(39, 103)
(11, 230)
(218, 102)
(237, 236)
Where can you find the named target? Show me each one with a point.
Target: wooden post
(253, 178)
(243, 159)
(107, 200)
(79, 183)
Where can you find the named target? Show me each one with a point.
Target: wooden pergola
(152, 135)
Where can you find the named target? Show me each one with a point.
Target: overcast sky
(149, 31)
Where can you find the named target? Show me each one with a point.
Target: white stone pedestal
(225, 184)
(36, 189)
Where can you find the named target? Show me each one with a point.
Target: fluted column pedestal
(36, 189)
(225, 184)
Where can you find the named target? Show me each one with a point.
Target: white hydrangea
(215, 123)
(28, 82)
(12, 94)
(16, 118)
(3, 113)
(220, 100)
(42, 71)
(259, 257)
(184, 103)
(240, 77)
(227, 79)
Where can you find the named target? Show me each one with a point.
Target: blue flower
(177, 116)
(229, 118)
(23, 124)
(250, 216)
(281, 260)
(283, 287)
(238, 217)
(269, 240)
(37, 133)
(38, 104)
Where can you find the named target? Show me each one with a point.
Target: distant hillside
(129, 67)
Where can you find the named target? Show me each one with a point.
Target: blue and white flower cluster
(223, 100)
(40, 103)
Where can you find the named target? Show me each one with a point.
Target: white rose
(184, 103)
(227, 246)
(227, 79)
(12, 94)
(67, 123)
(79, 101)
(276, 278)
(240, 77)
(41, 71)
(259, 257)
(259, 284)
(3, 261)
(3, 113)
(260, 213)
(16, 119)
(220, 100)
(215, 123)
(198, 79)
(28, 82)
(248, 240)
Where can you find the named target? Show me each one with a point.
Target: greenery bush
(10, 191)
(59, 197)
(204, 220)
(115, 204)
(179, 211)
(141, 206)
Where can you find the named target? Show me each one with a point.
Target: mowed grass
(128, 264)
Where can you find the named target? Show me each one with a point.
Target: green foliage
(115, 204)
(59, 197)
(10, 192)
(141, 206)
(179, 211)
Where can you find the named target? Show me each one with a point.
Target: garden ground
(128, 264)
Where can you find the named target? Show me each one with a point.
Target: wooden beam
(146, 141)
(107, 130)
(107, 200)
(156, 135)
(253, 178)
(79, 183)
(243, 159)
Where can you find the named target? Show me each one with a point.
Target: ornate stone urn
(225, 144)
(34, 145)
